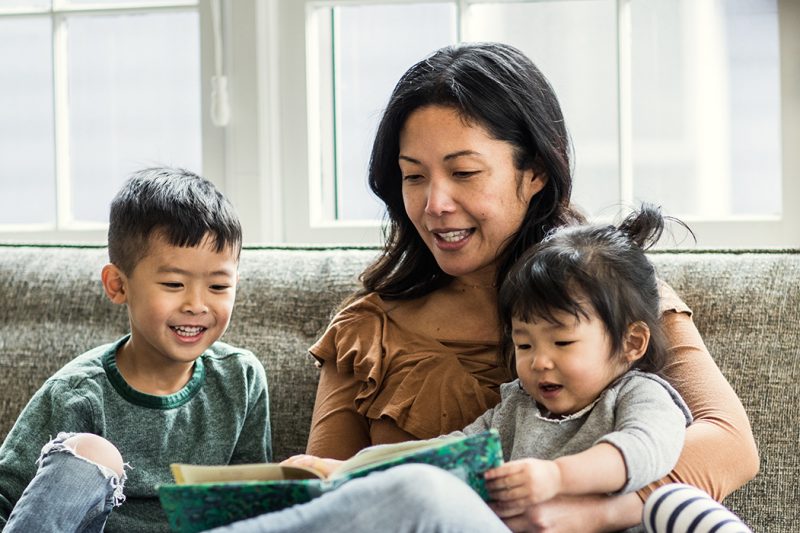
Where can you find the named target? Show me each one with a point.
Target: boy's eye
(172, 284)
(564, 343)
(220, 287)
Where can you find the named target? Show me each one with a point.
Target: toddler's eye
(564, 343)
(523, 346)
(220, 287)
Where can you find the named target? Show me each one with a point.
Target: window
(99, 89)
(685, 103)
(694, 104)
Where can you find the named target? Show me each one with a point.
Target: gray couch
(747, 307)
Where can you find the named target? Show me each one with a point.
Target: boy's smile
(180, 301)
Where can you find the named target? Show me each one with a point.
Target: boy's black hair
(603, 264)
(179, 205)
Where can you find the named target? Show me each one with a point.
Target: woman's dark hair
(179, 205)
(603, 265)
(497, 87)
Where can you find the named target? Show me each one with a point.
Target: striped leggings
(679, 508)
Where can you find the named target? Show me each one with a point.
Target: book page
(382, 452)
(189, 474)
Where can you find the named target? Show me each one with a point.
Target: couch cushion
(746, 305)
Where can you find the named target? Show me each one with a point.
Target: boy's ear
(636, 340)
(114, 283)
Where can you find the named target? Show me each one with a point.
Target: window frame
(261, 158)
(304, 221)
(64, 229)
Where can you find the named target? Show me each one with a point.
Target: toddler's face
(180, 300)
(565, 366)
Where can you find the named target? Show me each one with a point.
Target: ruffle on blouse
(426, 386)
(669, 301)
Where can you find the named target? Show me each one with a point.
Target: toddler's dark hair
(603, 264)
(179, 205)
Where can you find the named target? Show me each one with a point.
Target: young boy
(167, 392)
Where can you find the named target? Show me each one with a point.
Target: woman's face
(462, 191)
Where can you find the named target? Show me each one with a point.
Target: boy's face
(565, 366)
(179, 300)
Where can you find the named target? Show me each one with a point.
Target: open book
(209, 496)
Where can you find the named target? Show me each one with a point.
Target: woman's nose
(440, 198)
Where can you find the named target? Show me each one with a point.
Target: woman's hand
(517, 485)
(325, 466)
(574, 514)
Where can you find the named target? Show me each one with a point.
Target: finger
(517, 523)
(503, 470)
(504, 511)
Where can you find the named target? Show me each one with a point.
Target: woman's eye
(412, 177)
(464, 173)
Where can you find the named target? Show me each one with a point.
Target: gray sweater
(640, 414)
(221, 416)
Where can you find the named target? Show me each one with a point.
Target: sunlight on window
(706, 106)
(370, 47)
(134, 101)
(27, 160)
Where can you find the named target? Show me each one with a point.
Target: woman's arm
(719, 454)
(576, 514)
(338, 430)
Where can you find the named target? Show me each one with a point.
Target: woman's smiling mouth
(452, 239)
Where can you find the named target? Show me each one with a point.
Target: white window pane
(134, 101)
(374, 45)
(111, 3)
(27, 159)
(24, 4)
(706, 106)
(574, 44)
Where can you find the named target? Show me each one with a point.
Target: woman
(472, 160)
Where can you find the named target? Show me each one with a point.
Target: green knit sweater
(221, 416)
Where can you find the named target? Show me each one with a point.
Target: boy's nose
(194, 304)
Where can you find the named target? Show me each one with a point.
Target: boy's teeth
(453, 236)
(188, 331)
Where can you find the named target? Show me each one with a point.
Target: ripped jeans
(68, 493)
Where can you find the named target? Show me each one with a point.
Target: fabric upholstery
(746, 306)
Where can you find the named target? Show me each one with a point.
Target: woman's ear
(533, 182)
(114, 283)
(636, 340)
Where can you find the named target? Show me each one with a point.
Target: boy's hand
(325, 466)
(519, 484)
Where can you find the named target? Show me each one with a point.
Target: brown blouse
(386, 376)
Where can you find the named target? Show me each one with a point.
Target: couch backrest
(747, 307)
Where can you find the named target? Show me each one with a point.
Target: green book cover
(204, 497)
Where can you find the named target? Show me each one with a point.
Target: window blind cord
(220, 102)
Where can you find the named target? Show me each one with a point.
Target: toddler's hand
(522, 483)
